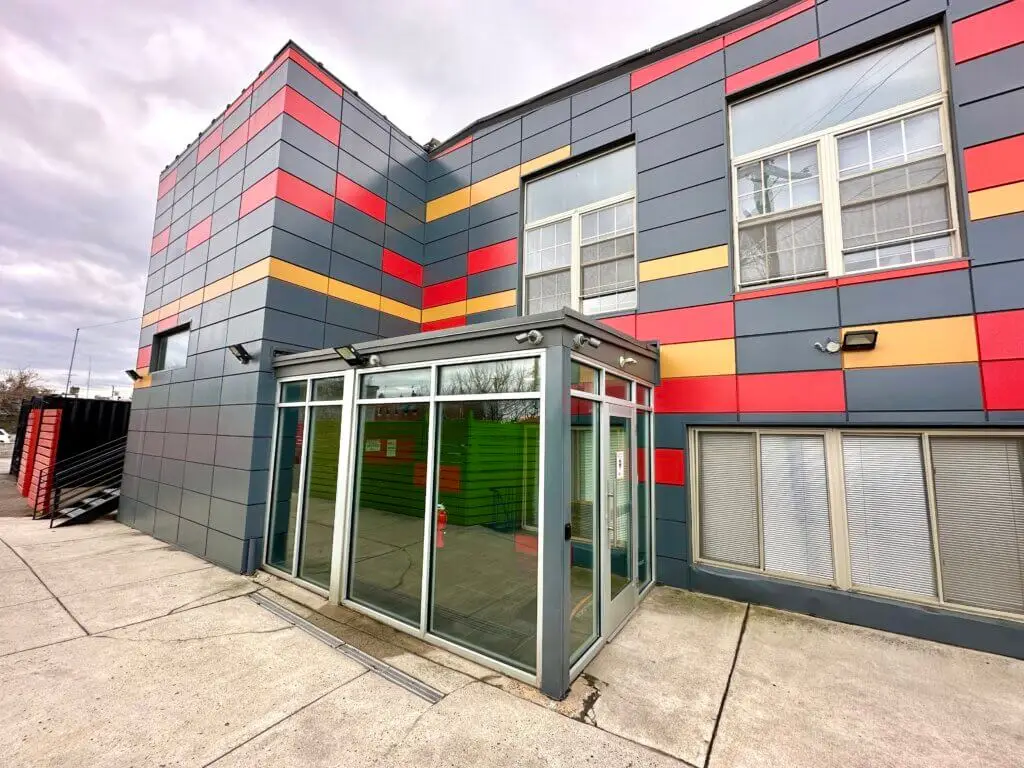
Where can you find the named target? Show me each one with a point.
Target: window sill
(889, 273)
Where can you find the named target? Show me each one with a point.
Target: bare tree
(16, 386)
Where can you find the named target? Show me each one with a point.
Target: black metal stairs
(84, 487)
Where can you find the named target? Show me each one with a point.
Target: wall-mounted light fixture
(241, 353)
(581, 338)
(355, 358)
(624, 361)
(533, 336)
(831, 346)
(857, 341)
(134, 375)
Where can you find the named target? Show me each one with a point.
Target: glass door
(619, 534)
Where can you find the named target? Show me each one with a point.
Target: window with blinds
(887, 513)
(979, 501)
(728, 498)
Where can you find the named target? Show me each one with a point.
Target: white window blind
(584, 483)
(979, 498)
(794, 505)
(728, 498)
(887, 513)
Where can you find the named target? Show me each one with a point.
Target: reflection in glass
(389, 494)
(484, 378)
(396, 384)
(584, 570)
(616, 387)
(643, 499)
(484, 593)
(293, 392)
(321, 492)
(599, 179)
(584, 378)
(284, 505)
(329, 389)
(620, 495)
(643, 395)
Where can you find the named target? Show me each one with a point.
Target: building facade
(814, 208)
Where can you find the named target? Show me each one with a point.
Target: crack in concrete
(46, 587)
(195, 639)
(728, 684)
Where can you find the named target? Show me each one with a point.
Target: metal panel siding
(309, 141)
(295, 299)
(910, 298)
(710, 287)
(877, 27)
(928, 418)
(406, 201)
(356, 221)
(701, 134)
(989, 75)
(681, 111)
(408, 225)
(493, 232)
(446, 248)
(995, 240)
(399, 174)
(495, 163)
(914, 388)
(592, 98)
(447, 269)
(601, 138)
(988, 119)
(410, 157)
(495, 208)
(998, 287)
(353, 118)
(301, 223)
(355, 247)
(545, 118)
(308, 169)
(686, 236)
(445, 164)
(600, 118)
(545, 141)
(710, 197)
(444, 185)
(700, 73)
(362, 174)
(404, 245)
(770, 42)
(496, 140)
(780, 352)
(708, 165)
(446, 226)
(349, 315)
(493, 281)
(364, 151)
(401, 291)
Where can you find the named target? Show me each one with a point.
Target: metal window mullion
(342, 506)
(933, 512)
(758, 495)
(272, 485)
(836, 473)
(575, 269)
(429, 502)
(301, 506)
(831, 211)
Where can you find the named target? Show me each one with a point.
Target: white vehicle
(5, 437)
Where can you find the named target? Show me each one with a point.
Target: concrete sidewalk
(116, 649)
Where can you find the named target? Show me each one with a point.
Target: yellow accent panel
(495, 185)
(698, 358)
(146, 379)
(251, 274)
(190, 300)
(217, 288)
(543, 161)
(150, 317)
(398, 309)
(443, 312)
(450, 203)
(491, 301)
(998, 201)
(685, 263)
(305, 278)
(168, 310)
(918, 342)
(356, 295)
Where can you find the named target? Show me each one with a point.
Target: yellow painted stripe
(146, 379)
(291, 273)
(684, 263)
(190, 300)
(998, 201)
(450, 203)
(150, 317)
(217, 288)
(398, 309)
(492, 186)
(918, 342)
(168, 310)
(250, 274)
(491, 301)
(444, 311)
(353, 293)
(698, 358)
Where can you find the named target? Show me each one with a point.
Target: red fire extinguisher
(442, 523)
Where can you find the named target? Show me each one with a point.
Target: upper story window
(846, 170)
(170, 350)
(580, 237)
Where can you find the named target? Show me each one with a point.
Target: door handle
(611, 519)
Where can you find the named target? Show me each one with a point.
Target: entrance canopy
(487, 488)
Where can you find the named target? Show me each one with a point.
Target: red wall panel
(160, 241)
(398, 266)
(766, 70)
(1003, 384)
(996, 163)
(199, 234)
(775, 18)
(448, 322)
(652, 72)
(699, 394)
(265, 115)
(669, 466)
(457, 145)
(315, 71)
(142, 361)
(445, 293)
(804, 392)
(493, 256)
(207, 145)
(304, 195)
(310, 115)
(259, 193)
(622, 324)
(988, 31)
(1001, 336)
(675, 326)
(892, 274)
(360, 198)
(167, 183)
(234, 142)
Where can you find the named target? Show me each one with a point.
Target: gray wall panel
(364, 151)
(995, 240)
(790, 312)
(546, 117)
(770, 42)
(710, 287)
(779, 352)
(700, 73)
(450, 161)
(545, 141)
(989, 119)
(701, 134)
(907, 298)
(493, 281)
(914, 388)
(493, 232)
(686, 236)
(309, 141)
(877, 27)
(999, 286)
(446, 226)
(355, 247)
(447, 269)
(686, 109)
(928, 418)
(584, 101)
(707, 198)
(600, 118)
(355, 316)
(495, 208)
(496, 140)
(362, 174)
(494, 163)
(989, 75)
(353, 118)
(601, 138)
(403, 245)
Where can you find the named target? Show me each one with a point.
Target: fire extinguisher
(442, 523)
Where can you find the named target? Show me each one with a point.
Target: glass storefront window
(329, 389)
(415, 383)
(284, 506)
(293, 392)
(616, 387)
(643, 498)
(321, 492)
(490, 377)
(584, 378)
(484, 585)
(584, 515)
(389, 497)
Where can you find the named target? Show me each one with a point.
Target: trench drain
(388, 672)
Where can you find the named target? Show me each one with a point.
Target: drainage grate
(388, 672)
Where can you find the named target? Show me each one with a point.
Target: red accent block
(142, 361)
(445, 293)
(167, 323)
(652, 72)
(457, 145)
(995, 163)
(699, 394)
(207, 145)
(259, 193)
(1001, 336)
(622, 323)
(315, 71)
(493, 256)
(806, 392)
(199, 234)
(304, 195)
(641, 460)
(360, 198)
(771, 21)
(892, 274)
(766, 70)
(448, 322)
(310, 115)
(398, 266)
(669, 466)
(1003, 384)
(234, 142)
(678, 326)
(267, 112)
(160, 241)
(814, 285)
(988, 31)
(28, 450)
(167, 183)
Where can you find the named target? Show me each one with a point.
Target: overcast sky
(99, 96)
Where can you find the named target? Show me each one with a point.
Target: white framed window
(170, 350)
(580, 237)
(845, 171)
(933, 517)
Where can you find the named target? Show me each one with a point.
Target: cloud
(97, 102)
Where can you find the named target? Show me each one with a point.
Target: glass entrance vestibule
(489, 489)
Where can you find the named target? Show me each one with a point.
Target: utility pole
(67, 387)
(88, 378)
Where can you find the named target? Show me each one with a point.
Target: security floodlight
(241, 353)
(133, 374)
(856, 341)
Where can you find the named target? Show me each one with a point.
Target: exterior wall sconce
(133, 374)
(831, 346)
(856, 341)
(355, 358)
(533, 336)
(240, 353)
(625, 361)
(581, 338)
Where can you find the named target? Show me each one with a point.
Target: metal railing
(71, 481)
